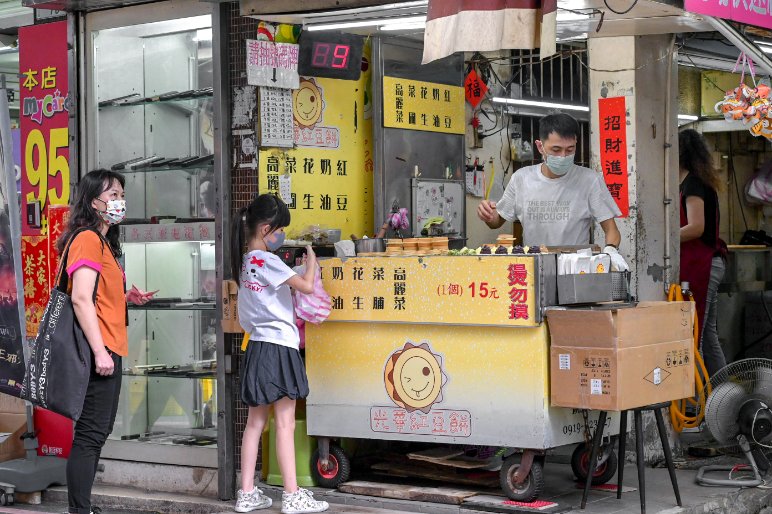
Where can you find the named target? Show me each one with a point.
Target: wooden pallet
(444, 495)
(451, 458)
(412, 469)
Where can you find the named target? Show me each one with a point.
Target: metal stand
(638, 450)
(33, 473)
(756, 481)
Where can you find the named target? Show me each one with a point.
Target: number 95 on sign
(46, 168)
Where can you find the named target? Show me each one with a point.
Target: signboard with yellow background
(417, 105)
(490, 290)
(329, 172)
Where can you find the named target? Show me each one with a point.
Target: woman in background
(702, 251)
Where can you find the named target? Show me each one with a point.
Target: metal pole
(226, 464)
(739, 40)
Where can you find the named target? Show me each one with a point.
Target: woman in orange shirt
(92, 263)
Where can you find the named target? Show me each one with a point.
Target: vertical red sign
(613, 149)
(45, 105)
(45, 170)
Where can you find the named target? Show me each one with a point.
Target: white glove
(617, 261)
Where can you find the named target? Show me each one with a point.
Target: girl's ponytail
(237, 244)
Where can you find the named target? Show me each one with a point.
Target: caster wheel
(337, 472)
(580, 463)
(530, 488)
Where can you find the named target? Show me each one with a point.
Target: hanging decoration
(475, 88)
(749, 105)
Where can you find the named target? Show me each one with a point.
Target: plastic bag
(758, 190)
(314, 307)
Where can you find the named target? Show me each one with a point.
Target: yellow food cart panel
(486, 290)
(435, 383)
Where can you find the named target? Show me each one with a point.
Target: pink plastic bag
(314, 307)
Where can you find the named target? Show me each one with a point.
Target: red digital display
(330, 55)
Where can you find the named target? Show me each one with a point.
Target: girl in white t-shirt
(273, 371)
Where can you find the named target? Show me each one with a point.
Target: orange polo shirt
(88, 249)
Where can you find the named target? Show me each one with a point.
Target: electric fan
(737, 411)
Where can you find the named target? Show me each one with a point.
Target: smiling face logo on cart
(307, 103)
(414, 377)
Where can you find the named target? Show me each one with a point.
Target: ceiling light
(577, 37)
(404, 26)
(688, 117)
(564, 15)
(373, 22)
(546, 105)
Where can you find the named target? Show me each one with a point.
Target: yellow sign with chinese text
(417, 105)
(327, 178)
(487, 290)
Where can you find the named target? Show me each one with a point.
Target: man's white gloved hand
(617, 261)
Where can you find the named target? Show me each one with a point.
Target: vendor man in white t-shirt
(556, 201)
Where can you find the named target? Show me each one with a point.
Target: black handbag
(59, 364)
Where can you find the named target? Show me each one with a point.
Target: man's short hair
(564, 125)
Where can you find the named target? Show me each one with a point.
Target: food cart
(442, 349)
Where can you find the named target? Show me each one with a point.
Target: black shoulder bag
(59, 364)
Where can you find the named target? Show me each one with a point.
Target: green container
(304, 448)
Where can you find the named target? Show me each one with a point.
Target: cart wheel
(3, 499)
(338, 471)
(531, 487)
(10, 499)
(580, 463)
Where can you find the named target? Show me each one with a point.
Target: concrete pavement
(560, 490)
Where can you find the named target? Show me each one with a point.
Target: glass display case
(151, 120)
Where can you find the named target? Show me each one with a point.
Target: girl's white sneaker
(247, 501)
(301, 502)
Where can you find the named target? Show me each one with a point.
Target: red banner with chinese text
(613, 149)
(34, 256)
(45, 104)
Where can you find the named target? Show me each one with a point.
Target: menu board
(276, 123)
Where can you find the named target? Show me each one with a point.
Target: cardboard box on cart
(619, 359)
(13, 423)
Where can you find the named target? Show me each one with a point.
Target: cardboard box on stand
(230, 308)
(13, 423)
(623, 358)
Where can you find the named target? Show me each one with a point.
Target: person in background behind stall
(557, 200)
(702, 251)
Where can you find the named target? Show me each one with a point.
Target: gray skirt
(271, 372)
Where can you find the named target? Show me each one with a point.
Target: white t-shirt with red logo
(266, 311)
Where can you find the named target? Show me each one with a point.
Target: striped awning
(489, 25)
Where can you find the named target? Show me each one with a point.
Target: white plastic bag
(758, 190)
(314, 307)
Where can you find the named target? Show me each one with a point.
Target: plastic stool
(304, 448)
(657, 408)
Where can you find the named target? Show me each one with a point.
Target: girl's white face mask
(115, 212)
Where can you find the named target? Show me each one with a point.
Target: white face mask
(115, 212)
(559, 165)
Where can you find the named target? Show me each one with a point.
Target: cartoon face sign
(307, 103)
(414, 377)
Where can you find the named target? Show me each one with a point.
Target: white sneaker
(252, 500)
(301, 502)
